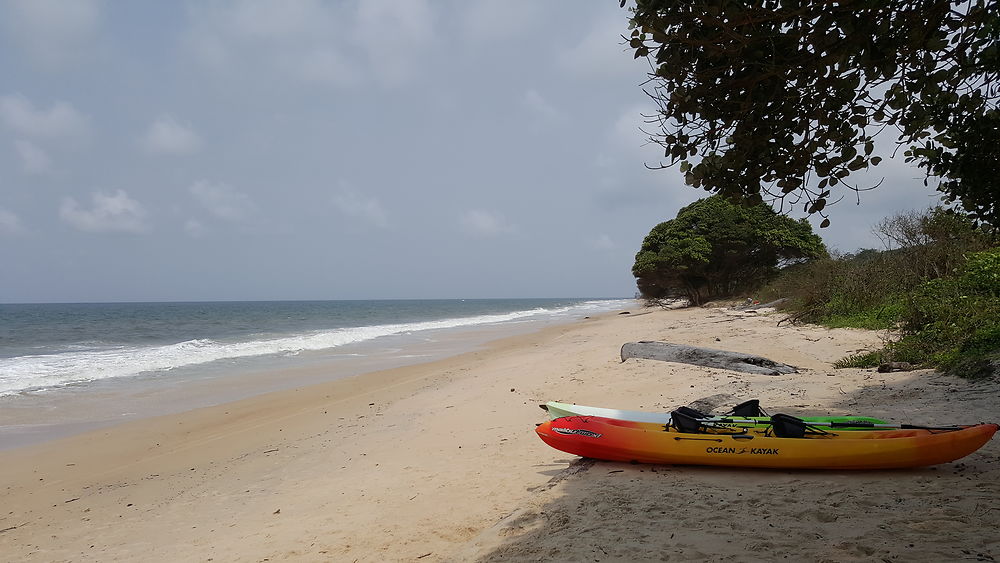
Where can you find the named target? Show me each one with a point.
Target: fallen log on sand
(708, 357)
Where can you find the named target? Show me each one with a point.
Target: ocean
(71, 367)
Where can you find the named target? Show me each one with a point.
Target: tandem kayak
(631, 441)
(558, 410)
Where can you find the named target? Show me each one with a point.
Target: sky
(359, 149)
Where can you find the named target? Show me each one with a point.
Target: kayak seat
(684, 422)
(693, 413)
(787, 426)
(748, 409)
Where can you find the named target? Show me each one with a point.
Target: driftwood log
(712, 402)
(708, 357)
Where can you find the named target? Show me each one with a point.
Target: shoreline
(438, 462)
(35, 417)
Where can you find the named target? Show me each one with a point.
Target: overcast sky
(364, 149)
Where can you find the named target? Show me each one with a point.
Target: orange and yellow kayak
(623, 440)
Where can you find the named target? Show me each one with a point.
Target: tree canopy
(782, 99)
(715, 248)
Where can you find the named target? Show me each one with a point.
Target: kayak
(557, 410)
(643, 442)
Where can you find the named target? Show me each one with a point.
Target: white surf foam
(38, 373)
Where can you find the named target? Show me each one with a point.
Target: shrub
(940, 287)
(954, 323)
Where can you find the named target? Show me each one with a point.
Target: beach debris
(712, 402)
(896, 366)
(707, 357)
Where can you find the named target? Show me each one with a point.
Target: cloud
(109, 213)
(324, 66)
(223, 200)
(393, 32)
(34, 159)
(10, 224)
(601, 53)
(62, 120)
(486, 224)
(603, 242)
(628, 135)
(167, 136)
(341, 44)
(353, 204)
(194, 228)
(53, 33)
(539, 105)
(305, 39)
(493, 20)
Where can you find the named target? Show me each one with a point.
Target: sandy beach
(439, 462)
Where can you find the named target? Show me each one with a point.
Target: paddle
(845, 424)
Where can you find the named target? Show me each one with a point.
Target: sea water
(71, 367)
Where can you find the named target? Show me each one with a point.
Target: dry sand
(438, 462)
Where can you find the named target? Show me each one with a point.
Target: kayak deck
(558, 410)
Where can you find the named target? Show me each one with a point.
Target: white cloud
(194, 228)
(308, 20)
(223, 200)
(335, 43)
(394, 32)
(492, 20)
(53, 33)
(325, 66)
(539, 105)
(602, 52)
(353, 204)
(10, 224)
(34, 159)
(167, 136)
(305, 39)
(60, 121)
(485, 223)
(603, 242)
(109, 213)
(628, 139)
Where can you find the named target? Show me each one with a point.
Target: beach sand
(439, 462)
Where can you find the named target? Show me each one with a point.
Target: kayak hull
(620, 440)
(559, 410)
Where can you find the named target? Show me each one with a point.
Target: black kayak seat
(683, 421)
(693, 413)
(788, 426)
(748, 409)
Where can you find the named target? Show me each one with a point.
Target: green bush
(954, 323)
(861, 360)
(940, 289)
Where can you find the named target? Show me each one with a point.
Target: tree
(932, 243)
(782, 99)
(715, 248)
